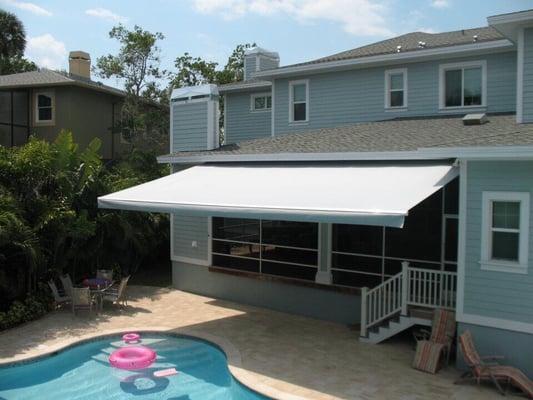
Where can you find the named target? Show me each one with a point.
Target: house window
(281, 248)
(505, 231)
(261, 102)
(44, 107)
(396, 88)
(299, 101)
(463, 85)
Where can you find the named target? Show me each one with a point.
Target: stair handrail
(394, 295)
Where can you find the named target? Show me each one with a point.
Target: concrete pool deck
(281, 355)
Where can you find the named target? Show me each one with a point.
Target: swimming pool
(83, 372)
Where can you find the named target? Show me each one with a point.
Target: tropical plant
(50, 222)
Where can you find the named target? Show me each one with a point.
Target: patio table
(98, 286)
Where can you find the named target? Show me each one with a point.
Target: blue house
(366, 187)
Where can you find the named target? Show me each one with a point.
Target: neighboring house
(44, 102)
(364, 187)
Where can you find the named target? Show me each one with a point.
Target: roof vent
(475, 119)
(422, 44)
(475, 38)
(398, 49)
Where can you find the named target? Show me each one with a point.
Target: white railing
(413, 286)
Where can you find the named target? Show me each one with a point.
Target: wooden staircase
(405, 300)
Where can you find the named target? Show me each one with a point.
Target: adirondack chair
(58, 298)
(67, 284)
(82, 300)
(485, 368)
(117, 294)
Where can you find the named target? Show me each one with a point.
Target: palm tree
(12, 35)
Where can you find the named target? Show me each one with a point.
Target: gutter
(413, 55)
(426, 153)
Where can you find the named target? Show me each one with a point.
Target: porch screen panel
(282, 248)
(368, 255)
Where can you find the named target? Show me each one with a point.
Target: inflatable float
(132, 358)
(131, 337)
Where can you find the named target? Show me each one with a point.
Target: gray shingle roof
(45, 77)
(410, 42)
(404, 134)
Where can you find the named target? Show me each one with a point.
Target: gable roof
(410, 42)
(46, 77)
(397, 135)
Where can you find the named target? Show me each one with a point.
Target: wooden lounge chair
(58, 298)
(430, 346)
(117, 294)
(67, 284)
(82, 300)
(481, 368)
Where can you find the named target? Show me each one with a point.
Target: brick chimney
(79, 63)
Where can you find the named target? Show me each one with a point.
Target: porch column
(323, 274)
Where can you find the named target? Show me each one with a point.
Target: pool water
(84, 372)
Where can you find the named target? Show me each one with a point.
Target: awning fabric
(370, 194)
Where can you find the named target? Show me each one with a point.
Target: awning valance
(370, 194)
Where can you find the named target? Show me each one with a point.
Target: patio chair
(67, 284)
(104, 274)
(486, 368)
(117, 294)
(442, 331)
(82, 300)
(58, 298)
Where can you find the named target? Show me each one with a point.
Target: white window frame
(388, 89)
(255, 96)
(291, 101)
(462, 66)
(51, 94)
(487, 262)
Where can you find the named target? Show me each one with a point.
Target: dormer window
(463, 85)
(396, 88)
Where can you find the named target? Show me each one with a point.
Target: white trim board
(520, 77)
(499, 323)
(461, 250)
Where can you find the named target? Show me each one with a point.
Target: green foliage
(137, 62)
(193, 71)
(12, 45)
(50, 223)
(12, 35)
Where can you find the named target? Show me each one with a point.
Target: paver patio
(287, 353)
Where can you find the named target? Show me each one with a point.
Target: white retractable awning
(370, 194)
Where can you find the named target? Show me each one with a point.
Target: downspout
(113, 130)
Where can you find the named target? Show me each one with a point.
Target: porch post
(362, 330)
(405, 286)
(323, 274)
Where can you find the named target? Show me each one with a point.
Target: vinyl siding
(242, 123)
(352, 96)
(267, 63)
(189, 126)
(185, 230)
(249, 66)
(495, 294)
(528, 75)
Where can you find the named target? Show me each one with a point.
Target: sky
(299, 30)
